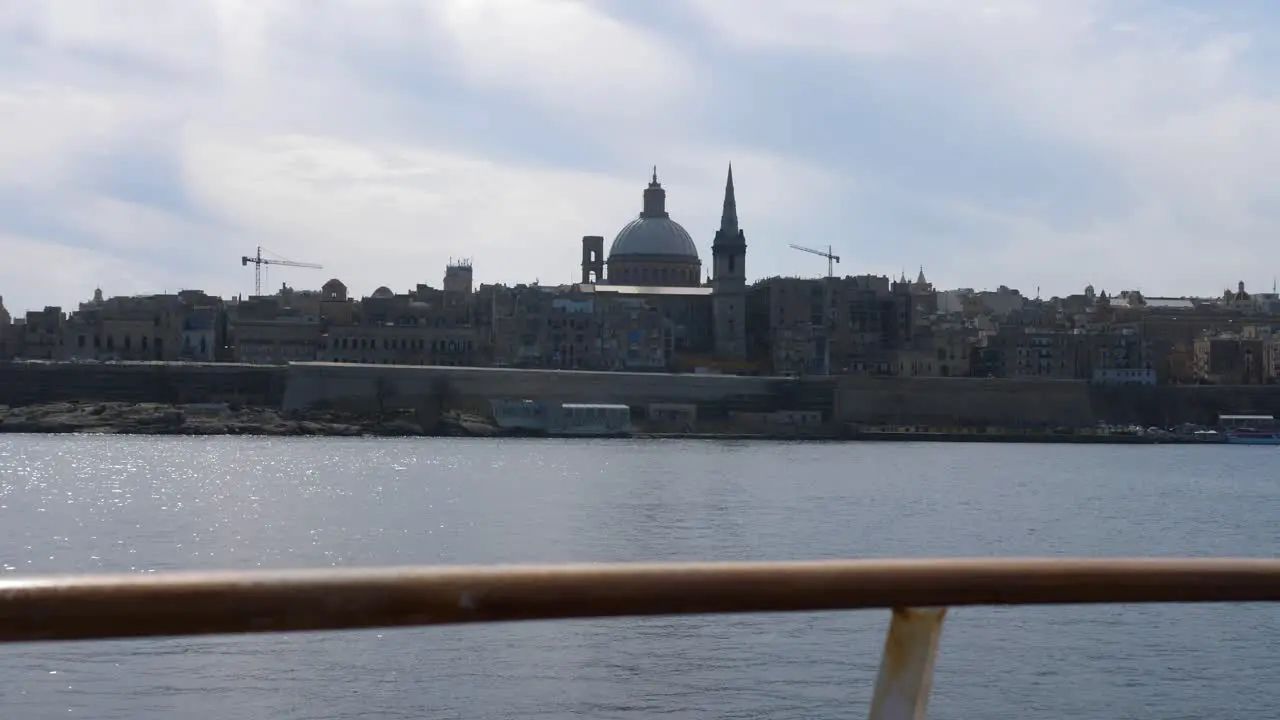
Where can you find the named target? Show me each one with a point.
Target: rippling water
(86, 504)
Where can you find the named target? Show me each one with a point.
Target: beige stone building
(399, 344)
(1231, 360)
(953, 350)
(185, 326)
(276, 341)
(1028, 352)
(585, 327)
(41, 336)
(425, 326)
(275, 329)
(850, 325)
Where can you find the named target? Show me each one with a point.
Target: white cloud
(393, 214)
(172, 36)
(884, 30)
(567, 54)
(42, 129)
(277, 147)
(1164, 101)
(379, 214)
(334, 133)
(49, 273)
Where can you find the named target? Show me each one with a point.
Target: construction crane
(832, 259)
(258, 261)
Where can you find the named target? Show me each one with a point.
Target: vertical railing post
(906, 668)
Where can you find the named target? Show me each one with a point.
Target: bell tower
(592, 260)
(729, 280)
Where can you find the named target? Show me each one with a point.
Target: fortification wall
(361, 387)
(908, 401)
(945, 402)
(31, 383)
(1005, 402)
(1170, 404)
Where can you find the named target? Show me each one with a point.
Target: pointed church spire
(729, 215)
(655, 176)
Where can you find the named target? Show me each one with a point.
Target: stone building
(278, 340)
(1231, 360)
(41, 335)
(189, 325)
(582, 327)
(424, 326)
(1031, 352)
(850, 325)
(6, 331)
(270, 330)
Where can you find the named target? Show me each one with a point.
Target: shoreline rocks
(117, 418)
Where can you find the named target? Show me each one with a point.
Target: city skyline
(1120, 145)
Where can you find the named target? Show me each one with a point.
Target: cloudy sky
(145, 145)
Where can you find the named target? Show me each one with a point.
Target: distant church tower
(729, 281)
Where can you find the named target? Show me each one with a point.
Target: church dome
(654, 234)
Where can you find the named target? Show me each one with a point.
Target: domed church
(653, 249)
(654, 257)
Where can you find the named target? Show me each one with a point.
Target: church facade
(654, 259)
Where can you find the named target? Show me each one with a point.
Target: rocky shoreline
(116, 418)
(120, 418)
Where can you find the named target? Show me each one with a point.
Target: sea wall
(949, 402)
(33, 383)
(364, 387)
(1163, 406)
(938, 402)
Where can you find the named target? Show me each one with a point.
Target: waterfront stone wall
(951, 402)
(937, 402)
(1162, 406)
(947, 402)
(365, 387)
(32, 383)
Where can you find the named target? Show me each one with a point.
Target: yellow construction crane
(258, 261)
(832, 259)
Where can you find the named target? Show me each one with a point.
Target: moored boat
(1246, 436)
(1250, 429)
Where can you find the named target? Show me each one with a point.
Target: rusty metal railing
(919, 591)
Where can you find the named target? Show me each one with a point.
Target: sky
(146, 145)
